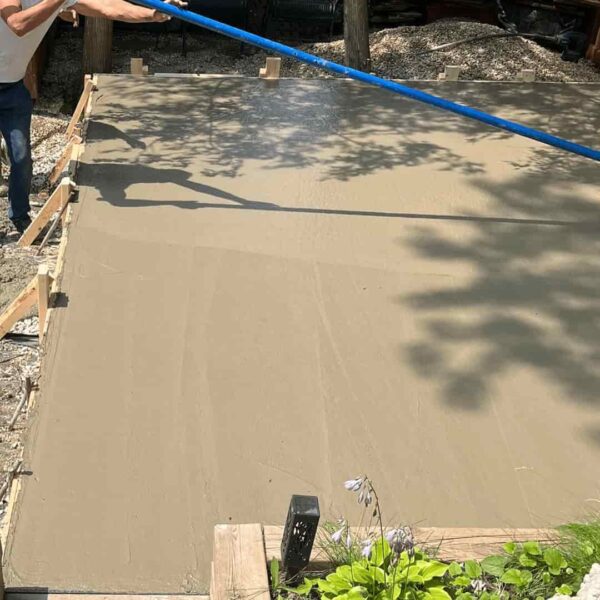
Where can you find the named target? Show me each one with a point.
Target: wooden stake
(19, 308)
(24, 399)
(56, 202)
(81, 105)
(137, 66)
(65, 159)
(272, 68)
(451, 73)
(527, 75)
(43, 288)
(9, 479)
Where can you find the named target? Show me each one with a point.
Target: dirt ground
(17, 267)
(400, 53)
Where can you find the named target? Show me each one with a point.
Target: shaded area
(273, 289)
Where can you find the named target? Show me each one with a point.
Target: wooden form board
(36, 292)
(19, 308)
(272, 68)
(451, 543)
(239, 567)
(49, 596)
(57, 201)
(81, 106)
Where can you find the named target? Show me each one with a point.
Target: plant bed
(426, 563)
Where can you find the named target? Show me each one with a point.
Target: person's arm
(20, 21)
(119, 10)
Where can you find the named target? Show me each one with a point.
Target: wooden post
(271, 69)
(356, 34)
(43, 289)
(137, 66)
(97, 45)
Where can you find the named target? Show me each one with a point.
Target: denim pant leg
(16, 108)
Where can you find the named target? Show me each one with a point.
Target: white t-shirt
(15, 51)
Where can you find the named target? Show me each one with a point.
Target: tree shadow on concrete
(344, 128)
(532, 300)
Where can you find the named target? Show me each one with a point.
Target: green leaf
(588, 548)
(465, 596)
(564, 590)
(532, 548)
(437, 593)
(357, 593)
(433, 569)
(346, 572)
(510, 547)
(327, 588)
(494, 565)
(380, 552)
(546, 577)
(305, 588)
(555, 560)
(527, 561)
(472, 569)
(461, 581)
(363, 575)
(517, 577)
(540, 598)
(339, 583)
(275, 574)
(455, 569)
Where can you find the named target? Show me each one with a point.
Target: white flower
(348, 540)
(353, 485)
(367, 546)
(478, 586)
(336, 536)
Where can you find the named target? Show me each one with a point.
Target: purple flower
(353, 485)
(367, 546)
(400, 540)
(336, 536)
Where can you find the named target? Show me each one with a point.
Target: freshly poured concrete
(272, 288)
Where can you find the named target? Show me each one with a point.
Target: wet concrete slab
(271, 288)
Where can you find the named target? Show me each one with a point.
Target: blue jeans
(16, 108)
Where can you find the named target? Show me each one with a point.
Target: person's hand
(158, 17)
(70, 16)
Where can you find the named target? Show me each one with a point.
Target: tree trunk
(97, 46)
(356, 34)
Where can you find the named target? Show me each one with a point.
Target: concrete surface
(271, 288)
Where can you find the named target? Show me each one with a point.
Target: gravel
(396, 53)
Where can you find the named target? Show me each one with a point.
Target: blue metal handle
(386, 84)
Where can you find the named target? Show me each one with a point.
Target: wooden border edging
(56, 203)
(459, 543)
(239, 567)
(88, 88)
(241, 553)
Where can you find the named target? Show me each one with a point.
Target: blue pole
(386, 84)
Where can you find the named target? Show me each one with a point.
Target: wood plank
(239, 563)
(49, 596)
(65, 159)
(137, 66)
(56, 202)
(81, 105)
(19, 308)
(449, 543)
(272, 68)
(43, 290)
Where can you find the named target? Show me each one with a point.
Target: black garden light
(299, 534)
